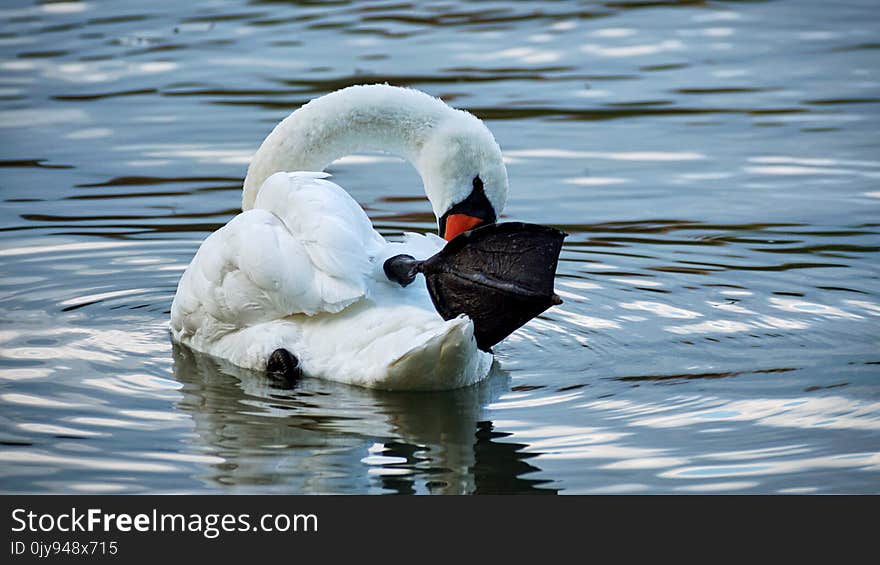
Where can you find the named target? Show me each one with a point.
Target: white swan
(300, 269)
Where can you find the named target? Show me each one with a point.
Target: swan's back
(304, 249)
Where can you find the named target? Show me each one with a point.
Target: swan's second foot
(283, 364)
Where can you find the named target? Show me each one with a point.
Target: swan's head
(464, 174)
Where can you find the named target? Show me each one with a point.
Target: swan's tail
(449, 359)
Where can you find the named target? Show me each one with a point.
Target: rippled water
(717, 164)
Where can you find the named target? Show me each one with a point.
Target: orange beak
(458, 223)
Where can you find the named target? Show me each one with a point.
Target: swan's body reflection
(325, 437)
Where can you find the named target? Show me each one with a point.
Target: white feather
(303, 271)
(301, 267)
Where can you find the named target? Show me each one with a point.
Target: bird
(294, 285)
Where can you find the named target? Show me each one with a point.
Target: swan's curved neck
(359, 118)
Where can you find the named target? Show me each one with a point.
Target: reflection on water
(715, 164)
(322, 437)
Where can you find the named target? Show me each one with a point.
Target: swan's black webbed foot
(284, 365)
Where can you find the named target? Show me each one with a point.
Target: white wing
(304, 248)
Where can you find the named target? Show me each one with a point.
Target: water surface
(716, 164)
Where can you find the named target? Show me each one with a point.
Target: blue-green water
(717, 165)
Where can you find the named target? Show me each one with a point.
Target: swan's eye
(478, 183)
